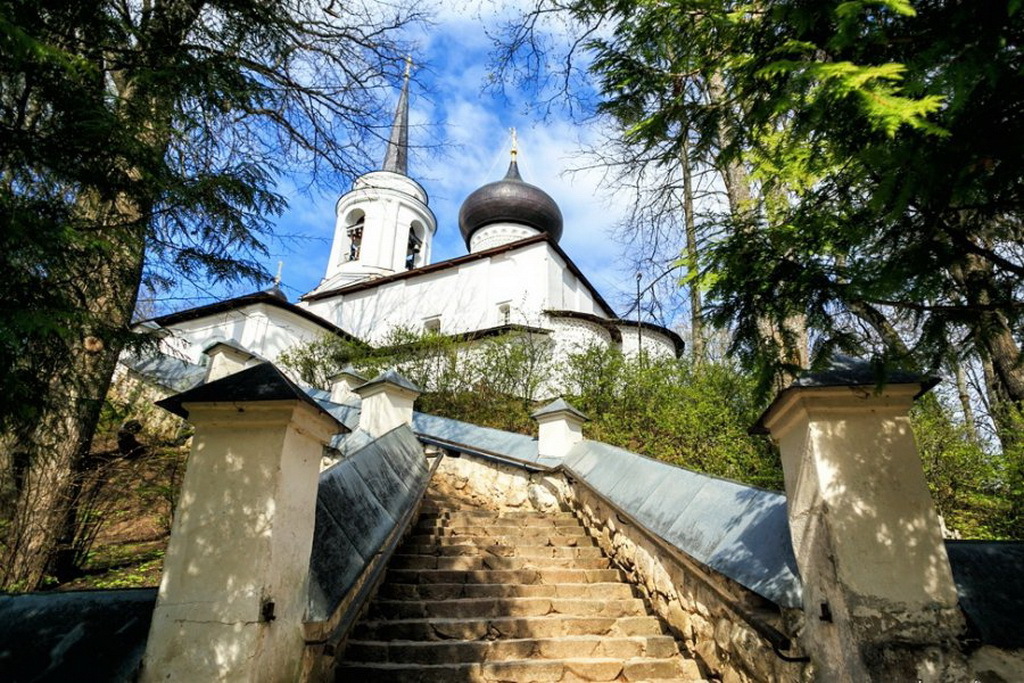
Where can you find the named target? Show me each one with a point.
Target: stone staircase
(474, 595)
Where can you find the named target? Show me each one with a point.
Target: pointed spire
(396, 159)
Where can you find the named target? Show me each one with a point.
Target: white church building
(380, 278)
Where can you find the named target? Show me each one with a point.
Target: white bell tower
(383, 225)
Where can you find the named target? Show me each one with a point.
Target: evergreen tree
(144, 138)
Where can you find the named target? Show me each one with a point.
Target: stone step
(564, 670)
(555, 626)
(479, 562)
(490, 514)
(509, 550)
(542, 537)
(501, 523)
(486, 608)
(451, 591)
(513, 576)
(567, 647)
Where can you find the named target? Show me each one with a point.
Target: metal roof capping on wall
(737, 530)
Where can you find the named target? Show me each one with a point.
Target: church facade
(380, 277)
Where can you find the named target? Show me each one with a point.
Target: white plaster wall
(466, 298)
(242, 536)
(496, 234)
(267, 331)
(566, 292)
(654, 344)
(571, 335)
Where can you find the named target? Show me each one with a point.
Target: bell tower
(383, 225)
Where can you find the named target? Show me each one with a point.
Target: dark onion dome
(510, 200)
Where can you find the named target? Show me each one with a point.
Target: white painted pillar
(387, 402)
(343, 384)
(879, 597)
(559, 428)
(233, 593)
(225, 359)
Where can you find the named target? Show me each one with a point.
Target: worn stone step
(543, 537)
(476, 562)
(473, 608)
(512, 576)
(510, 550)
(505, 514)
(433, 629)
(501, 522)
(449, 591)
(567, 647)
(565, 670)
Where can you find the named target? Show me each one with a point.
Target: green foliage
(316, 362)
(695, 416)
(1012, 437)
(963, 479)
(491, 382)
(887, 181)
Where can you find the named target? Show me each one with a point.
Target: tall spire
(396, 159)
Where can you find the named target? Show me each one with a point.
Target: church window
(432, 325)
(355, 234)
(415, 246)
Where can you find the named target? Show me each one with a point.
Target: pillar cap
(227, 344)
(262, 382)
(846, 371)
(348, 371)
(559, 408)
(391, 378)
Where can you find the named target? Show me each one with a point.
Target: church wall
(389, 203)
(466, 298)
(264, 330)
(566, 292)
(655, 345)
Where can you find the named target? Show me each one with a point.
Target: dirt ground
(132, 513)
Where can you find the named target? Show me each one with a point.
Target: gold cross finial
(515, 143)
(408, 66)
(277, 279)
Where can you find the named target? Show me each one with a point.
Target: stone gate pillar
(879, 597)
(233, 593)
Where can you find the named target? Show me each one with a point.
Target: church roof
(461, 260)
(266, 297)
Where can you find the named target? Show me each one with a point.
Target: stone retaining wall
(694, 603)
(492, 485)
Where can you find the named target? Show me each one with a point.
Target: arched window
(415, 246)
(354, 230)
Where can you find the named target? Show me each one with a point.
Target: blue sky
(460, 135)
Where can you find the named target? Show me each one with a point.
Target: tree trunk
(696, 303)
(51, 455)
(965, 401)
(786, 339)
